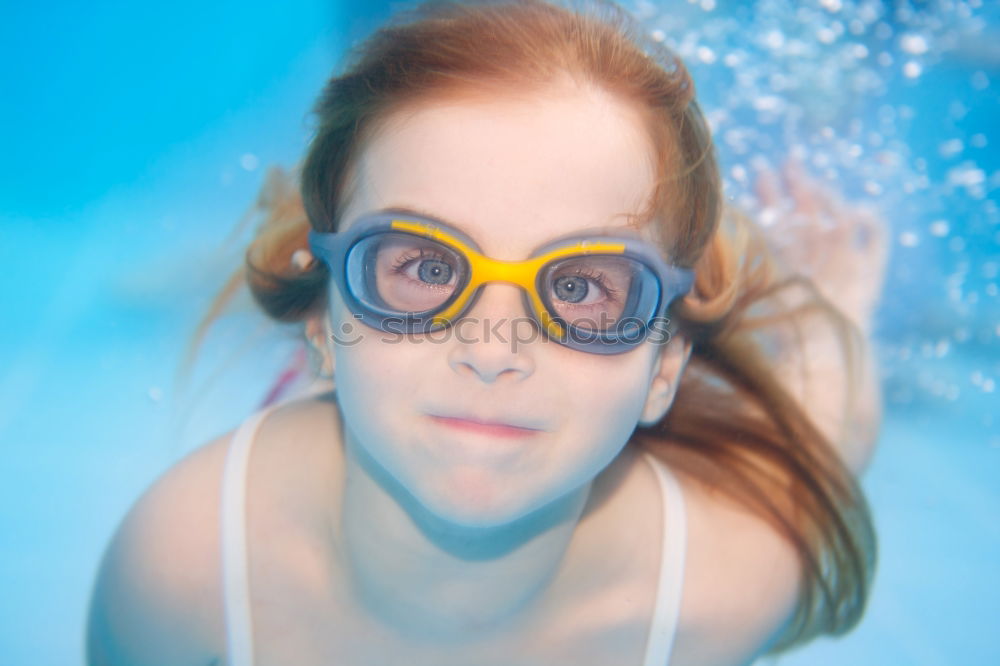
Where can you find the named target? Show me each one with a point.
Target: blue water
(134, 138)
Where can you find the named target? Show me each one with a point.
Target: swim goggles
(598, 292)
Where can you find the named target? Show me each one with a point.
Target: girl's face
(512, 173)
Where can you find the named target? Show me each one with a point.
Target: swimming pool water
(136, 138)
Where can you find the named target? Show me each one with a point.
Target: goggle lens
(400, 273)
(597, 292)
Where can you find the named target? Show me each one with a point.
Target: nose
(494, 338)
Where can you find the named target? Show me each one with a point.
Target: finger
(768, 188)
(812, 200)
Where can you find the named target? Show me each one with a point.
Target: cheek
(605, 395)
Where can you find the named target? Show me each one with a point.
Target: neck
(432, 579)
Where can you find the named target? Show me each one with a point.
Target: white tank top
(236, 584)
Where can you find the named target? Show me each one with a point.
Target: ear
(666, 376)
(318, 335)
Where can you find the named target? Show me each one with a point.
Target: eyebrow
(630, 229)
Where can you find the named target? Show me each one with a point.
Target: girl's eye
(582, 288)
(426, 266)
(572, 289)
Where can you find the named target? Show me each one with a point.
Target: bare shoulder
(157, 598)
(741, 582)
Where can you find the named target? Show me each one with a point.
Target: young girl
(575, 415)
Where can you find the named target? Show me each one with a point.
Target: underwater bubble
(912, 69)
(658, 35)
(989, 270)
(769, 103)
(885, 59)
(859, 51)
(950, 148)
(980, 81)
(978, 141)
(774, 39)
(707, 5)
(869, 12)
(826, 35)
(249, 161)
(831, 5)
(988, 386)
(909, 239)
(942, 348)
(155, 393)
(739, 173)
(705, 54)
(914, 44)
(940, 228)
(966, 175)
(872, 188)
(992, 290)
(883, 30)
(956, 244)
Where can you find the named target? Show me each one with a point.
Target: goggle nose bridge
(520, 273)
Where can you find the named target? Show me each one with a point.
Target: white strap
(235, 575)
(670, 588)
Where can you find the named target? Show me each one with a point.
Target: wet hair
(733, 425)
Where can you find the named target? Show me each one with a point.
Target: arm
(842, 249)
(157, 598)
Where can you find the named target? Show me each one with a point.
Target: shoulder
(158, 596)
(741, 585)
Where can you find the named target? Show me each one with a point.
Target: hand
(841, 246)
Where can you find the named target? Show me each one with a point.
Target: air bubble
(774, 40)
(826, 35)
(980, 81)
(909, 239)
(940, 228)
(912, 69)
(249, 161)
(966, 175)
(950, 148)
(913, 44)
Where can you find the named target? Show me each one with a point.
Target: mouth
(485, 428)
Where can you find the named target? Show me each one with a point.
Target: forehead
(511, 172)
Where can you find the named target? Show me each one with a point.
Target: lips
(476, 424)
